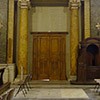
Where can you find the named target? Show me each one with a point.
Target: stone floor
(42, 90)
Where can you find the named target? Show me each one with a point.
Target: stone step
(47, 82)
(40, 84)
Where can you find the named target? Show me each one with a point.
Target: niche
(93, 50)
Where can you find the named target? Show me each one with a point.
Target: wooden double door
(49, 56)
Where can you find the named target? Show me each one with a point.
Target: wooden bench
(7, 95)
(4, 87)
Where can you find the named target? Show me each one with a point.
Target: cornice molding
(49, 3)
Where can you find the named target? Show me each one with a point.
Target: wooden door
(55, 57)
(57, 61)
(40, 56)
(49, 52)
(43, 57)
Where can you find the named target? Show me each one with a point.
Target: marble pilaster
(10, 32)
(23, 36)
(74, 35)
(87, 18)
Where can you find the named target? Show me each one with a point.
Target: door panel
(54, 58)
(35, 56)
(49, 52)
(63, 57)
(43, 55)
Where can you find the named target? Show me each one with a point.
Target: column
(23, 37)
(74, 35)
(87, 18)
(10, 32)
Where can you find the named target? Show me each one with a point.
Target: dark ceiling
(49, 2)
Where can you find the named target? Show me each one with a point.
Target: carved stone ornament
(74, 4)
(74, 0)
(24, 3)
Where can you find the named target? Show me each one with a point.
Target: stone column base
(72, 78)
(9, 73)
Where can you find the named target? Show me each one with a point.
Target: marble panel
(50, 19)
(3, 30)
(9, 72)
(95, 17)
(53, 94)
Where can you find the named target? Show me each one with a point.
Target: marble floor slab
(58, 91)
(47, 94)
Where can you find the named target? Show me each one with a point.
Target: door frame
(47, 33)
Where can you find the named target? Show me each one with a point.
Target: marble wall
(95, 17)
(3, 30)
(46, 19)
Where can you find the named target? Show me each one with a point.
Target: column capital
(74, 4)
(24, 3)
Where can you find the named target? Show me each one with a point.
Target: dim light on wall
(98, 26)
(1, 25)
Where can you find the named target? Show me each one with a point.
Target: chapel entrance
(49, 56)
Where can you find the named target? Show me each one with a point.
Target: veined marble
(53, 93)
(9, 73)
